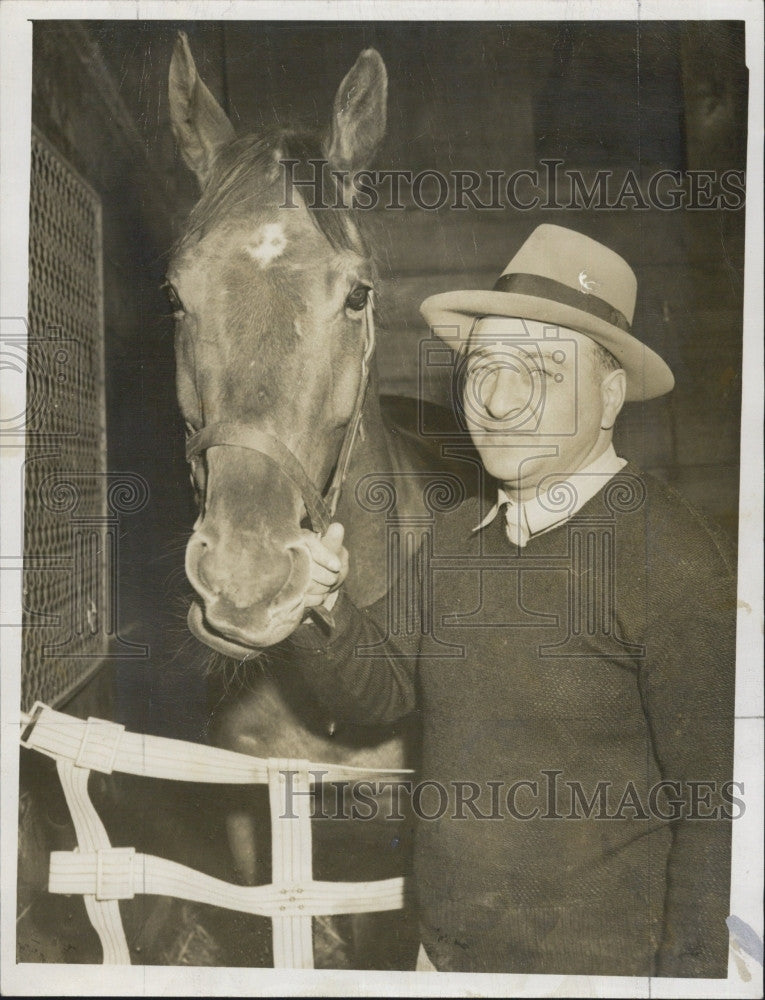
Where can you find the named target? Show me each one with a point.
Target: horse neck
(372, 451)
(366, 530)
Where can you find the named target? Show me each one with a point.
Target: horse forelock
(247, 175)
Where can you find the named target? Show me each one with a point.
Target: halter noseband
(320, 509)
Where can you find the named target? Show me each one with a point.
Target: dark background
(481, 96)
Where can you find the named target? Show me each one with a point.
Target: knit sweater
(558, 685)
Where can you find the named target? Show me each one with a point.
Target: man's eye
(173, 298)
(478, 366)
(357, 299)
(484, 368)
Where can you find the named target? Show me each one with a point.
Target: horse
(277, 384)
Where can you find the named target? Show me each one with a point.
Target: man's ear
(199, 123)
(359, 114)
(613, 390)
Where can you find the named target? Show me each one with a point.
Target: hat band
(556, 291)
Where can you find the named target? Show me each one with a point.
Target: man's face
(532, 399)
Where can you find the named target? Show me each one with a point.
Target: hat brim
(451, 316)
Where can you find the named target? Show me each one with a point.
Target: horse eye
(172, 297)
(357, 299)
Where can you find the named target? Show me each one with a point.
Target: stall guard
(104, 874)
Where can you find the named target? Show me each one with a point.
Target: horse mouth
(233, 644)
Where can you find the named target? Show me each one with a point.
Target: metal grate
(65, 634)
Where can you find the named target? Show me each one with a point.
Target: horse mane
(232, 185)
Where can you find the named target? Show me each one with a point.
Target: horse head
(271, 299)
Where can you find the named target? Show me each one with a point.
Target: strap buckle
(114, 873)
(99, 744)
(26, 734)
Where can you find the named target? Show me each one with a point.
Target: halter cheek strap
(353, 428)
(320, 509)
(243, 436)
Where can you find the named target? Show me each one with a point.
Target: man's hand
(329, 567)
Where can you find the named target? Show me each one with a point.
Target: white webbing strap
(103, 910)
(107, 746)
(289, 795)
(121, 873)
(104, 874)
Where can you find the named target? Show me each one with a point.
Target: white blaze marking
(268, 244)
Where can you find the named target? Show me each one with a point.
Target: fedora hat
(566, 279)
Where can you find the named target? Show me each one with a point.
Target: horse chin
(231, 646)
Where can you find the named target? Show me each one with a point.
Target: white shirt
(556, 499)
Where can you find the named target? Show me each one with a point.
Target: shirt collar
(558, 499)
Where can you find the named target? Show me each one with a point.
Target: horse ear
(358, 117)
(199, 123)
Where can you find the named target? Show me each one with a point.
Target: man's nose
(505, 393)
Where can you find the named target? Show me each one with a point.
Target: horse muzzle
(248, 600)
(232, 643)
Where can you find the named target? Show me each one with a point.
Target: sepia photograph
(381, 443)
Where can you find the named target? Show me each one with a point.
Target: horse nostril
(196, 550)
(232, 579)
(299, 573)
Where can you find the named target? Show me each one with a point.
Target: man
(582, 726)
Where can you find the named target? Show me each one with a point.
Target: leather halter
(320, 509)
